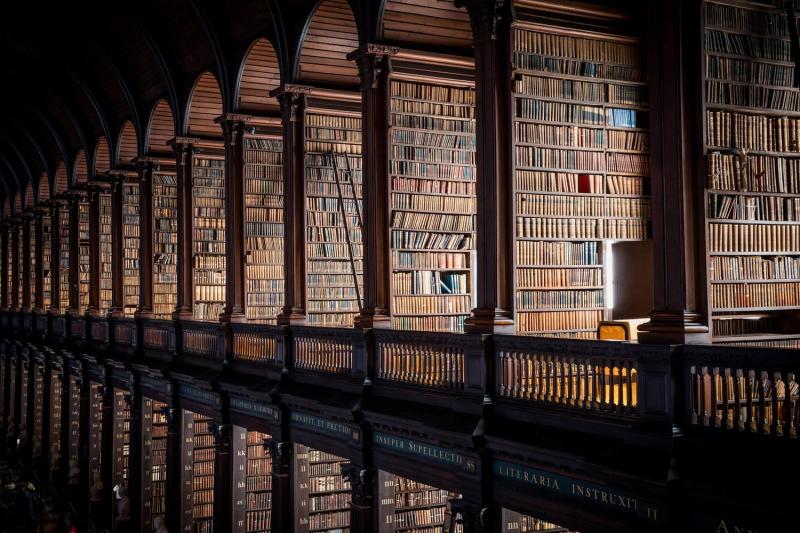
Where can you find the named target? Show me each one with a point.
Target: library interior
(418, 266)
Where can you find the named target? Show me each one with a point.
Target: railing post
(362, 344)
(478, 358)
(657, 371)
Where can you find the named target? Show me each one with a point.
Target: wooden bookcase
(514, 522)
(252, 471)
(63, 261)
(106, 252)
(208, 237)
(154, 462)
(165, 244)
(84, 267)
(130, 247)
(95, 429)
(22, 257)
(411, 506)
(38, 410)
(74, 420)
(122, 438)
(333, 218)
(432, 173)
(198, 485)
(264, 230)
(322, 495)
(56, 414)
(751, 119)
(47, 254)
(581, 168)
(31, 255)
(22, 419)
(9, 264)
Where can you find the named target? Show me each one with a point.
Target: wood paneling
(330, 36)
(44, 187)
(102, 157)
(6, 208)
(18, 202)
(205, 105)
(128, 145)
(260, 74)
(429, 22)
(81, 172)
(161, 128)
(28, 201)
(62, 180)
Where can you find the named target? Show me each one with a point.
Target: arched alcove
(259, 75)
(80, 175)
(28, 199)
(205, 105)
(330, 35)
(44, 188)
(127, 145)
(62, 178)
(102, 157)
(161, 128)
(434, 23)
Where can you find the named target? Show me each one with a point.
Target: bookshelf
(130, 247)
(122, 438)
(56, 413)
(580, 173)
(198, 445)
(95, 429)
(47, 253)
(83, 256)
(322, 495)
(263, 177)
(23, 396)
(410, 506)
(753, 175)
(63, 261)
(514, 522)
(106, 251)
(165, 245)
(31, 255)
(154, 461)
(9, 265)
(333, 219)
(253, 482)
(432, 173)
(38, 410)
(73, 439)
(208, 237)
(20, 270)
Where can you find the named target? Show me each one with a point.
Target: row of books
(573, 182)
(424, 107)
(753, 173)
(581, 228)
(760, 295)
(556, 277)
(430, 139)
(544, 134)
(747, 238)
(551, 321)
(165, 227)
(208, 243)
(526, 41)
(720, 92)
(745, 70)
(755, 268)
(430, 282)
(754, 46)
(752, 132)
(559, 299)
(557, 253)
(533, 109)
(734, 17)
(582, 206)
(432, 305)
(761, 208)
(47, 228)
(430, 260)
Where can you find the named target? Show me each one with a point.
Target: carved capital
(362, 481)
(373, 63)
(487, 17)
(292, 99)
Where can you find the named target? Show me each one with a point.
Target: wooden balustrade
(256, 343)
(124, 333)
(98, 330)
(158, 336)
(328, 350)
(40, 324)
(77, 328)
(743, 390)
(586, 375)
(203, 339)
(428, 359)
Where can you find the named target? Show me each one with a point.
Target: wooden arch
(28, 198)
(44, 187)
(80, 175)
(205, 105)
(160, 128)
(17, 202)
(127, 145)
(331, 33)
(102, 157)
(432, 23)
(260, 74)
(7, 208)
(62, 178)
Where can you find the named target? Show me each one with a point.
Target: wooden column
(74, 250)
(373, 66)
(679, 315)
(27, 221)
(491, 30)
(55, 259)
(5, 228)
(15, 264)
(173, 499)
(94, 252)
(233, 127)
(184, 149)
(282, 488)
(223, 477)
(117, 247)
(38, 303)
(364, 502)
(145, 168)
(292, 99)
(135, 457)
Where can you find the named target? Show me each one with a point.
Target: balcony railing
(742, 390)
